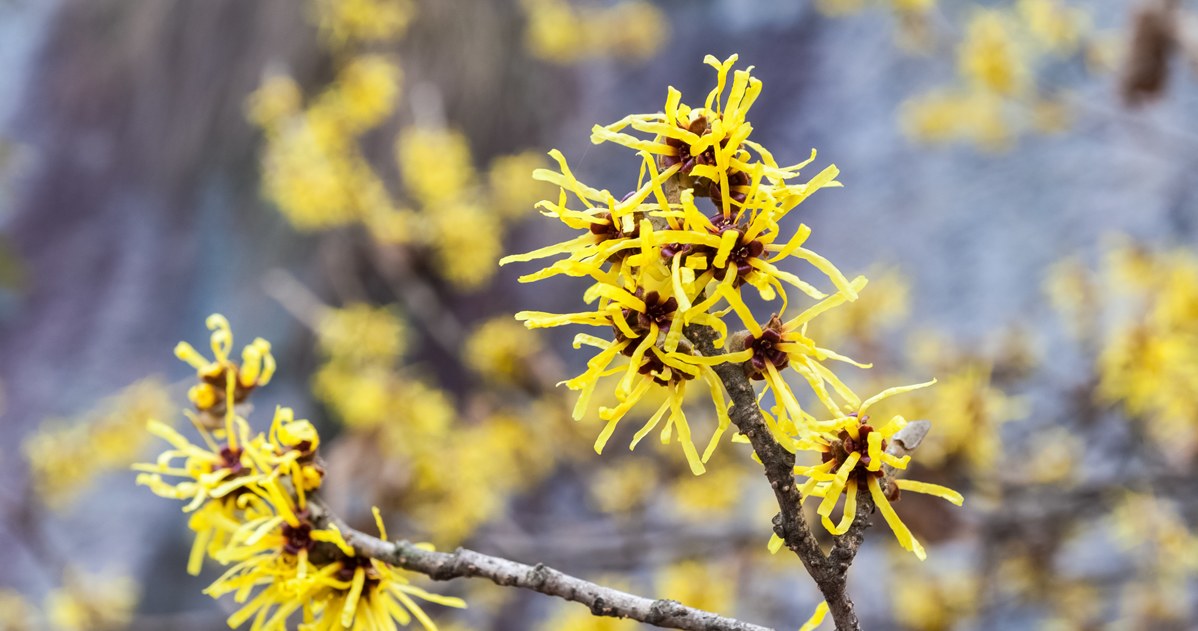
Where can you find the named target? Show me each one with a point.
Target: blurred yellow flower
(513, 191)
(466, 240)
(990, 57)
(1053, 24)
(942, 116)
(924, 600)
(65, 456)
(16, 612)
(560, 32)
(621, 488)
(700, 585)
(345, 22)
(362, 332)
(717, 493)
(92, 602)
(436, 165)
(500, 350)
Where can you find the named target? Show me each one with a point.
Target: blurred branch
(463, 563)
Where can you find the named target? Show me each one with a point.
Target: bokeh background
(341, 176)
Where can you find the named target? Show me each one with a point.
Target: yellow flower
(365, 594)
(362, 332)
(501, 350)
(16, 612)
(853, 453)
(926, 601)
(1054, 25)
(275, 101)
(66, 456)
(699, 585)
(312, 167)
(221, 379)
(363, 95)
(92, 602)
(711, 144)
(977, 116)
(344, 22)
(513, 191)
(248, 499)
(717, 493)
(562, 33)
(467, 242)
(990, 57)
(436, 165)
(659, 264)
(623, 488)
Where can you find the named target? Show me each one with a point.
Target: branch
(463, 563)
(789, 524)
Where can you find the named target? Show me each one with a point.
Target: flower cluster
(675, 258)
(1000, 53)
(452, 464)
(562, 33)
(65, 456)
(248, 495)
(1140, 314)
(317, 172)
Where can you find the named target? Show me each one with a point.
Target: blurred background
(341, 177)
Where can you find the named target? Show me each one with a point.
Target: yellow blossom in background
(717, 493)
(884, 304)
(312, 168)
(990, 57)
(700, 585)
(1072, 290)
(466, 241)
(839, 7)
(1155, 526)
(500, 350)
(566, 32)
(513, 191)
(362, 332)
(276, 100)
(1162, 547)
(65, 456)
(1148, 359)
(92, 602)
(358, 396)
(1054, 458)
(362, 95)
(435, 164)
(967, 410)
(942, 116)
(463, 483)
(623, 487)
(575, 617)
(1053, 24)
(362, 21)
(16, 612)
(426, 411)
(923, 600)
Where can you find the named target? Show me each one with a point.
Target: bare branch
(463, 563)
